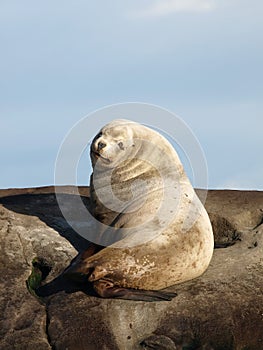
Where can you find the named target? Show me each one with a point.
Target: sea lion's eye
(120, 144)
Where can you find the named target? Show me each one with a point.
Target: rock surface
(223, 309)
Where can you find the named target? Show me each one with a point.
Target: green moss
(40, 270)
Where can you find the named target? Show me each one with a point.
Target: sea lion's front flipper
(77, 269)
(107, 289)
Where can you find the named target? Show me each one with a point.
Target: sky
(200, 59)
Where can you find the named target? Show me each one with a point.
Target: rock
(24, 236)
(223, 309)
(160, 342)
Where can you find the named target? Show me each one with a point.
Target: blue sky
(201, 59)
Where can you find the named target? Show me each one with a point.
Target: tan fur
(161, 234)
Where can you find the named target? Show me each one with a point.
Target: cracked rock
(222, 309)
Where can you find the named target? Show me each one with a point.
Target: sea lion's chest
(125, 194)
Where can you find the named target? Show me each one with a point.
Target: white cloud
(167, 7)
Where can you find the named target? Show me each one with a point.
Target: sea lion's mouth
(97, 155)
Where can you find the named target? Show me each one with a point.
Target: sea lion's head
(113, 144)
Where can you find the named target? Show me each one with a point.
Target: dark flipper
(107, 289)
(76, 270)
(70, 280)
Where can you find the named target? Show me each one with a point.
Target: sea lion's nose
(101, 145)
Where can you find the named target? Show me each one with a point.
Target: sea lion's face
(112, 145)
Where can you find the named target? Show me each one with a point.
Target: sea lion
(157, 231)
(150, 230)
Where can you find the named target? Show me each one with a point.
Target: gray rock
(223, 309)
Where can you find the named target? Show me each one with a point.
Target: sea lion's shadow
(63, 284)
(46, 208)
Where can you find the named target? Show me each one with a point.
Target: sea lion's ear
(120, 144)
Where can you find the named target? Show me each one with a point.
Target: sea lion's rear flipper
(107, 290)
